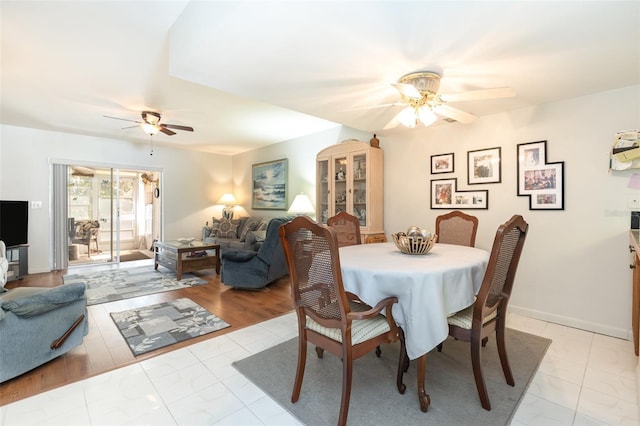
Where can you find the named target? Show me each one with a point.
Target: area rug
(374, 396)
(124, 283)
(152, 327)
(135, 255)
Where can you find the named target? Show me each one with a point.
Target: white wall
(192, 181)
(574, 269)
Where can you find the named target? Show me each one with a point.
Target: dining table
(429, 288)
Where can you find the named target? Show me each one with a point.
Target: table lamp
(302, 206)
(229, 202)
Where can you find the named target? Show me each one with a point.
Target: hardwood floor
(104, 349)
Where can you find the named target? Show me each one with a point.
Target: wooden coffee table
(183, 257)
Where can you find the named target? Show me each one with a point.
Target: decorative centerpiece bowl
(415, 241)
(185, 240)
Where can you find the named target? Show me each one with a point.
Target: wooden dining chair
(488, 313)
(346, 227)
(328, 316)
(458, 228)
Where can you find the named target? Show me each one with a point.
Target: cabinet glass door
(340, 186)
(322, 202)
(359, 187)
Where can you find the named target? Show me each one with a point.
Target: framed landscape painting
(269, 185)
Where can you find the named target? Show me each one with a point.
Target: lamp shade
(301, 206)
(227, 199)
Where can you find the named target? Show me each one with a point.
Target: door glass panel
(360, 188)
(340, 192)
(322, 213)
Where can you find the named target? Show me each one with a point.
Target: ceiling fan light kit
(420, 91)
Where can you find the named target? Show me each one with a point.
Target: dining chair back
(488, 313)
(458, 228)
(346, 227)
(329, 317)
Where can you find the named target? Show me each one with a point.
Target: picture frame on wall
(269, 185)
(442, 163)
(445, 195)
(484, 166)
(541, 181)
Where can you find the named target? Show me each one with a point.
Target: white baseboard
(620, 333)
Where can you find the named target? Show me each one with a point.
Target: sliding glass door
(112, 214)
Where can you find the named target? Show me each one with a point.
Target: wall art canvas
(270, 185)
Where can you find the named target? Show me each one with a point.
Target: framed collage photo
(484, 166)
(542, 182)
(444, 195)
(269, 182)
(442, 163)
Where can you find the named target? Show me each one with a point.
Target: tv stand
(18, 257)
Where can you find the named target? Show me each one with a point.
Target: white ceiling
(249, 74)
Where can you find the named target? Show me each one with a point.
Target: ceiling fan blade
(455, 114)
(499, 92)
(175, 126)
(123, 119)
(130, 127)
(395, 120)
(375, 106)
(407, 90)
(166, 131)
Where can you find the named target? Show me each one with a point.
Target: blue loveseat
(257, 267)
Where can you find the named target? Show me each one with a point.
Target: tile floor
(584, 379)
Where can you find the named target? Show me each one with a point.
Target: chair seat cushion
(464, 318)
(361, 330)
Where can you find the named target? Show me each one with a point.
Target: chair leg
(502, 352)
(302, 360)
(378, 351)
(346, 386)
(439, 347)
(477, 374)
(319, 351)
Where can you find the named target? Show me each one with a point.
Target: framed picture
(269, 185)
(442, 163)
(542, 182)
(531, 157)
(484, 166)
(445, 195)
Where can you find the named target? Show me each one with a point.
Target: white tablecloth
(429, 287)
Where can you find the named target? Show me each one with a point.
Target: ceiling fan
(151, 124)
(419, 92)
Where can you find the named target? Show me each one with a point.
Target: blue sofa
(40, 324)
(259, 266)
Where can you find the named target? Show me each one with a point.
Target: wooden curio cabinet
(349, 178)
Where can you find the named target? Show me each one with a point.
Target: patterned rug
(152, 327)
(124, 283)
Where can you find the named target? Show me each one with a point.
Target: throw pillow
(251, 224)
(260, 235)
(215, 227)
(262, 226)
(228, 228)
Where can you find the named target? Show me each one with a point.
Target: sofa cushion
(262, 226)
(228, 228)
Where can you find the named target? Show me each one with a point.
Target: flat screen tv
(14, 222)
